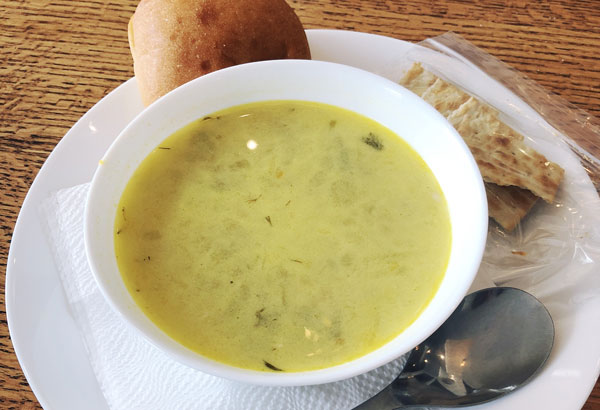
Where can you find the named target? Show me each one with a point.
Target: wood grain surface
(59, 57)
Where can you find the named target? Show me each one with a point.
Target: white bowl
(365, 93)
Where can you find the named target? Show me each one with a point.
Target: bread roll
(175, 41)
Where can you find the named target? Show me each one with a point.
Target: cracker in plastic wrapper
(500, 153)
(417, 79)
(507, 205)
(503, 158)
(444, 97)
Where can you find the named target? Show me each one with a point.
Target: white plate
(44, 334)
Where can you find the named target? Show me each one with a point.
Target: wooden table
(59, 57)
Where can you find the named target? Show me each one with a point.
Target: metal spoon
(494, 342)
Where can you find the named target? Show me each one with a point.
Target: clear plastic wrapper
(553, 252)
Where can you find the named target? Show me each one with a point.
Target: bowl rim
(279, 71)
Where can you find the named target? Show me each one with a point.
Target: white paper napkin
(133, 374)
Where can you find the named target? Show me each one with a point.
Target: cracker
(515, 175)
(500, 153)
(417, 79)
(444, 97)
(507, 205)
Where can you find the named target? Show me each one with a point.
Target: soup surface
(283, 236)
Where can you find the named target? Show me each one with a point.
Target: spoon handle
(384, 400)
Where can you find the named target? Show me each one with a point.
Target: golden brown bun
(175, 41)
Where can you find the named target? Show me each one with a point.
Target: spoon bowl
(496, 340)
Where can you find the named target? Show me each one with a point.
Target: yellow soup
(283, 236)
